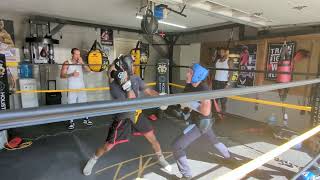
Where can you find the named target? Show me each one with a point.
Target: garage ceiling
(109, 12)
(201, 13)
(280, 12)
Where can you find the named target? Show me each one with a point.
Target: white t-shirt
(75, 82)
(222, 75)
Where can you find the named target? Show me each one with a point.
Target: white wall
(185, 55)
(189, 55)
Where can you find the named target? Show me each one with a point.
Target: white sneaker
(88, 168)
(164, 163)
(87, 122)
(71, 126)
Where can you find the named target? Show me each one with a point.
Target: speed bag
(136, 54)
(96, 61)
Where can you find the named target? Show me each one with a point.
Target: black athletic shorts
(121, 130)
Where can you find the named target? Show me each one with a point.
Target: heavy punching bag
(97, 59)
(284, 75)
(141, 56)
(284, 68)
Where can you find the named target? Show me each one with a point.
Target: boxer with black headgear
(124, 85)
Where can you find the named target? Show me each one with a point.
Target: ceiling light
(166, 23)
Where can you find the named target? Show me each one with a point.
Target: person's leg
(218, 145)
(72, 98)
(119, 132)
(190, 134)
(144, 127)
(221, 85)
(150, 136)
(82, 97)
(93, 160)
(223, 100)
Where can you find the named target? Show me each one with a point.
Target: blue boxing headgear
(199, 73)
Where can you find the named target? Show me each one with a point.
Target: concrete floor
(62, 154)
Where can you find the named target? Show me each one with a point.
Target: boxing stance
(123, 85)
(201, 121)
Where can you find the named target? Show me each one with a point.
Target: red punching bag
(284, 66)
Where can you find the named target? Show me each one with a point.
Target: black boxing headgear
(124, 63)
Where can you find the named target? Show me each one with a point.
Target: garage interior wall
(297, 120)
(209, 40)
(191, 50)
(82, 38)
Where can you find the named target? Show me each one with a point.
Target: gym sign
(163, 76)
(4, 86)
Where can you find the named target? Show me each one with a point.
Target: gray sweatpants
(183, 141)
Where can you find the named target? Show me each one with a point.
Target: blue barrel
(25, 70)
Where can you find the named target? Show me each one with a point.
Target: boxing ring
(58, 113)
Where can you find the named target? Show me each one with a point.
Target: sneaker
(164, 164)
(87, 122)
(231, 162)
(88, 168)
(71, 126)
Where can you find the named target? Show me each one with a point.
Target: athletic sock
(159, 154)
(163, 162)
(95, 157)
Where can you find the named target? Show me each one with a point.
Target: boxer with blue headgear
(199, 73)
(201, 121)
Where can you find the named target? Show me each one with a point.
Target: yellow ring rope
(238, 98)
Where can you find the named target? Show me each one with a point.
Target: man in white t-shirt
(72, 70)
(222, 78)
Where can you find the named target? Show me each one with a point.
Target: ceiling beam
(283, 33)
(216, 28)
(80, 23)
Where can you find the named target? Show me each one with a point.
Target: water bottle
(285, 119)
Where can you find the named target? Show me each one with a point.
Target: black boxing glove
(121, 77)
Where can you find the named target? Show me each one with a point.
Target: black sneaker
(71, 126)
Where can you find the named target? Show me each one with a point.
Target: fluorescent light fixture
(166, 23)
